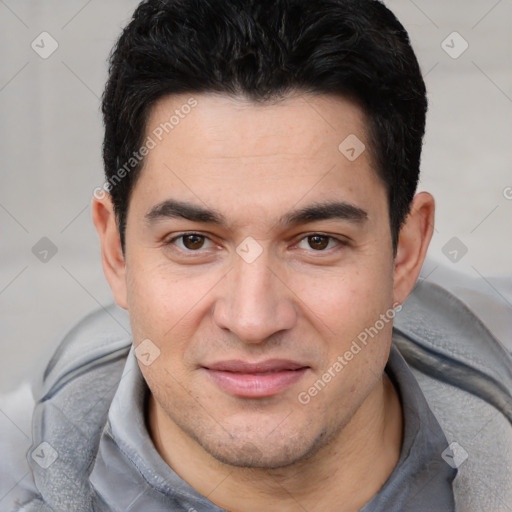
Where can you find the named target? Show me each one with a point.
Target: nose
(255, 302)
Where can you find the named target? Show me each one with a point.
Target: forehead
(223, 149)
(236, 127)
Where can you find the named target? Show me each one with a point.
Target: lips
(255, 380)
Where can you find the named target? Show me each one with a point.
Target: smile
(255, 380)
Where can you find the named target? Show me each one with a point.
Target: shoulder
(465, 373)
(101, 337)
(16, 483)
(72, 395)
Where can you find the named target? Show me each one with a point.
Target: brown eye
(193, 242)
(318, 242)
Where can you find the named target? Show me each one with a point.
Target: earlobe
(413, 243)
(112, 256)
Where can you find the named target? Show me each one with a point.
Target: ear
(112, 256)
(413, 243)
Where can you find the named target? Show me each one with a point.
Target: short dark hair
(265, 50)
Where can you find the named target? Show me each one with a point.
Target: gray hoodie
(91, 450)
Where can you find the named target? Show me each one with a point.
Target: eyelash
(174, 239)
(337, 241)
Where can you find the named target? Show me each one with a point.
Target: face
(256, 253)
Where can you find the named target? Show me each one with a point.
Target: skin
(255, 165)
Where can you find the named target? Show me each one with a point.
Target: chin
(248, 455)
(263, 453)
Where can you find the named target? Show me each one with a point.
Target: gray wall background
(50, 160)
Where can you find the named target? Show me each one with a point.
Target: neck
(350, 469)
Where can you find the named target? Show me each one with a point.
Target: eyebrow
(316, 212)
(326, 211)
(177, 209)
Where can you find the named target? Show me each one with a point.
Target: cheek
(161, 309)
(343, 302)
(157, 299)
(168, 306)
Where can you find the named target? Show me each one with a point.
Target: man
(260, 226)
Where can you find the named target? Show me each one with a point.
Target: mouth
(255, 380)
